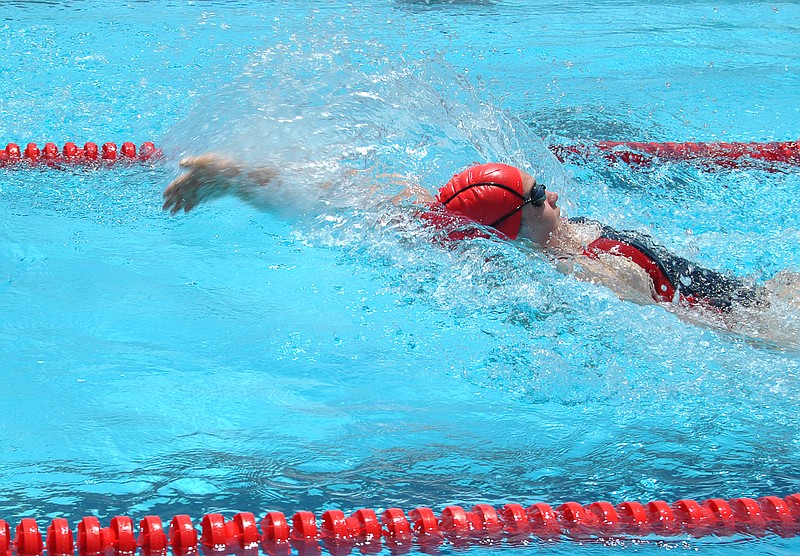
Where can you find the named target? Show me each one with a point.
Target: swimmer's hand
(209, 176)
(206, 176)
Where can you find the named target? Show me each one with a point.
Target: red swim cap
(486, 193)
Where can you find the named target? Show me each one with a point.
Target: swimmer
(504, 201)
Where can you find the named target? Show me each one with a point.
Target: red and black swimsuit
(670, 273)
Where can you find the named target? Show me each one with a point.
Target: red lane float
(50, 154)
(712, 155)
(339, 533)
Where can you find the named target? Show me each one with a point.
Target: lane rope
(90, 153)
(339, 534)
(711, 155)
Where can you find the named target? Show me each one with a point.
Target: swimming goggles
(537, 198)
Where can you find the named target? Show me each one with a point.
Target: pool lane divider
(70, 153)
(712, 155)
(338, 534)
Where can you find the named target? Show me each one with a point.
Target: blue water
(231, 360)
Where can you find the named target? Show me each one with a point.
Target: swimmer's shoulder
(585, 230)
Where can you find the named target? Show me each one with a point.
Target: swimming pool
(229, 360)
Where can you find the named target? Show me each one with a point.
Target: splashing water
(320, 110)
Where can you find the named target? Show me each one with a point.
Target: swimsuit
(671, 273)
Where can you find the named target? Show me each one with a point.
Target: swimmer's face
(539, 223)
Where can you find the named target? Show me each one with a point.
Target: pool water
(235, 360)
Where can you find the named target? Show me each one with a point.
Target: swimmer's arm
(622, 276)
(211, 176)
(414, 193)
